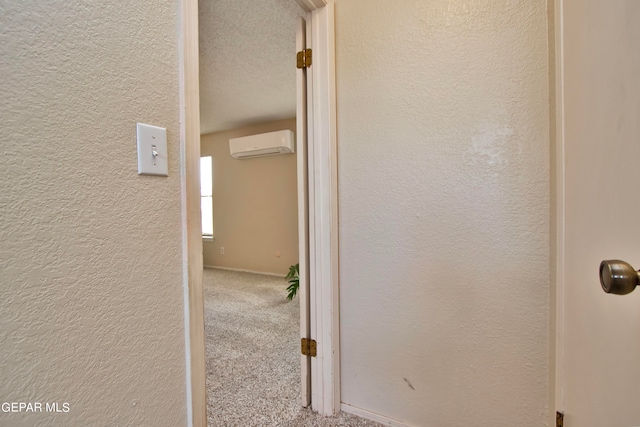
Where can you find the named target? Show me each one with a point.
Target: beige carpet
(253, 362)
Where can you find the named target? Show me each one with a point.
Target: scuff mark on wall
(491, 145)
(409, 384)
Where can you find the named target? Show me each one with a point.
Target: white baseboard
(244, 271)
(372, 416)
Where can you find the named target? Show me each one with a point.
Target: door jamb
(325, 325)
(558, 169)
(188, 52)
(327, 366)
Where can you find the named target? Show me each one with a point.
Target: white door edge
(557, 327)
(325, 314)
(196, 393)
(303, 213)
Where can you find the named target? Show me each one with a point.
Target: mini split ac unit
(264, 144)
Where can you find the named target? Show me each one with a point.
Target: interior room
(250, 213)
(486, 220)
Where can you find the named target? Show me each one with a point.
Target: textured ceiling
(247, 62)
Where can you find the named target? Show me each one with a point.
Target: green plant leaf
(294, 281)
(292, 289)
(293, 272)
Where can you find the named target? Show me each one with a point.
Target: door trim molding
(311, 5)
(559, 188)
(304, 214)
(325, 319)
(188, 52)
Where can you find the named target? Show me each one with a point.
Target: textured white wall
(91, 297)
(601, 346)
(443, 135)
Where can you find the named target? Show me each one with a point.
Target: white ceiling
(247, 62)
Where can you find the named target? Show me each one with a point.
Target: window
(206, 195)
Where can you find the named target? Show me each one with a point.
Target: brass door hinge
(304, 58)
(559, 419)
(308, 347)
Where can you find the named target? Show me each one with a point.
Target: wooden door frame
(188, 54)
(323, 212)
(326, 366)
(557, 299)
(302, 132)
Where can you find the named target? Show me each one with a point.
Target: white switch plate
(152, 139)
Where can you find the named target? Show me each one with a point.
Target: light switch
(152, 150)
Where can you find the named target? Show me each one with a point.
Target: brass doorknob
(618, 277)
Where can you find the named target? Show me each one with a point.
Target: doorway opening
(320, 157)
(251, 328)
(248, 87)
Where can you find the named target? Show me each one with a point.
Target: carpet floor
(253, 362)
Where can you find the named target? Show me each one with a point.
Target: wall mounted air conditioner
(264, 144)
